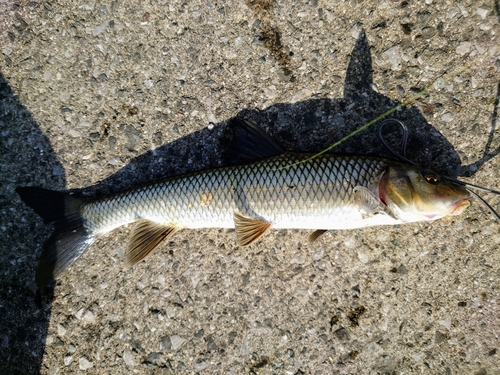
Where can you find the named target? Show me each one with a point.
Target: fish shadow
(27, 159)
(305, 126)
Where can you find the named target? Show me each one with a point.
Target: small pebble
(61, 330)
(114, 161)
(176, 341)
(84, 363)
(447, 117)
(195, 279)
(270, 92)
(244, 347)
(482, 12)
(463, 48)
(200, 366)
(440, 337)
(133, 135)
(165, 344)
(68, 359)
(79, 314)
(439, 83)
(463, 10)
(74, 133)
(477, 93)
(89, 316)
(128, 358)
(239, 40)
(350, 242)
(393, 57)
(49, 340)
(301, 95)
(363, 258)
(446, 322)
(318, 255)
(199, 334)
(474, 82)
(99, 29)
(417, 357)
(355, 30)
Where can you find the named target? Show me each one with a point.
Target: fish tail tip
(69, 240)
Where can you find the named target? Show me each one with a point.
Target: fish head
(418, 194)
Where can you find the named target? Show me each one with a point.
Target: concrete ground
(111, 94)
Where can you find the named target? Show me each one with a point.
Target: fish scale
(277, 190)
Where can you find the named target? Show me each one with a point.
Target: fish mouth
(459, 206)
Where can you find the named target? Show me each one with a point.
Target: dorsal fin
(251, 143)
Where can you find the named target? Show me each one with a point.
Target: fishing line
(483, 201)
(404, 141)
(467, 184)
(403, 158)
(436, 84)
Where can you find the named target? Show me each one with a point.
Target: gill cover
(416, 194)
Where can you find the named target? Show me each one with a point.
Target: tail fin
(69, 240)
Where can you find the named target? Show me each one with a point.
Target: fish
(266, 188)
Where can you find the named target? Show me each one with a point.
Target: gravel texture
(106, 95)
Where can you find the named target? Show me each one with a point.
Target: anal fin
(249, 230)
(314, 235)
(146, 236)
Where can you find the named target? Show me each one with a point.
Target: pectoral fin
(368, 203)
(249, 230)
(314, 235)
(146, 236)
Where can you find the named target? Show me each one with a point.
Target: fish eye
(430, 177)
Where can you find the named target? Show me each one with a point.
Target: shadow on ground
(305, 126)
(27, 159)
